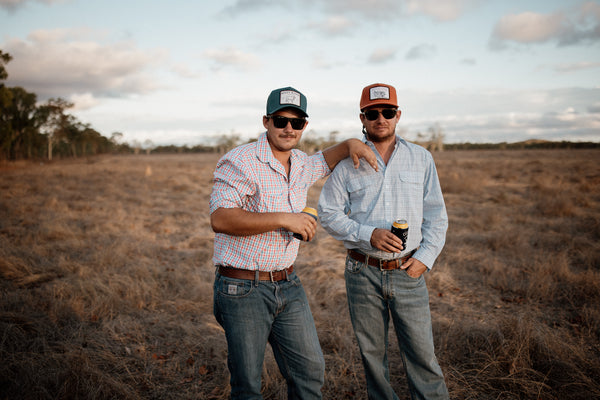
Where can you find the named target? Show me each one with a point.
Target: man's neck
(284, 158)
(385, 148)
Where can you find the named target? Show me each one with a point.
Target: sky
(187, 72)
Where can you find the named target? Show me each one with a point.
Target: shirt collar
(265, 155)
(263, 150)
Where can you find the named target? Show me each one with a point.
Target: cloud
(12, 5)
(447, 10)
(232, 57)
(379, 56)
(61, 62)
(335, 25)
(576, 66)
(83, 101)
(565, 28)
(277, 35)
(184, 71)
(504, 115)
(380, 9)
(244, 6)
(421, 51)
(594, 108)
(517, 126)
(320, 62)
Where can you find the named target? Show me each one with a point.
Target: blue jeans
(276, 312)
(373, 296)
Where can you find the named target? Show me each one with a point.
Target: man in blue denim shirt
(383, 279)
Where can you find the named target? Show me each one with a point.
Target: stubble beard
(379, 139)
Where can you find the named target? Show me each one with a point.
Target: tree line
(47, 131)
(32, 131)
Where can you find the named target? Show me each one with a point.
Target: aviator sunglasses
(372, 115)
(281, 122)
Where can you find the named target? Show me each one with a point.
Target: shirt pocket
(298, 194)
(273, 200)
(359, 185)
(363, 192)
(412, 182)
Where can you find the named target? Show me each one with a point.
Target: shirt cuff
(365, 232)
(425, 257)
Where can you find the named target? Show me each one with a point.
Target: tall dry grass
(106, 281)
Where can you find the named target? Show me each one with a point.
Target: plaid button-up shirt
(249, 177)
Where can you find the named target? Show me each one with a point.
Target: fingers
(368, 155)
(385, 240)
(355, 160)
(308, 227)
(360, 150)
(414, 268)
(372, 160)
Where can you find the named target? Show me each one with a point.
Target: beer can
(310, 211)
(400, 229)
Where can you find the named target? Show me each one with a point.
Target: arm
(334, 208)
(233, 186)
(435, 219)
(239, 222)
(350, 148)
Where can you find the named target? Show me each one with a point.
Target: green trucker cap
(286, 97)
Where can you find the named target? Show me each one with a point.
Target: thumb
(407, 264)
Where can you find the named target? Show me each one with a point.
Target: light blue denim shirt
(354, 202)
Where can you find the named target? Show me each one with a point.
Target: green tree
(55, 121)
(20, 135)
(5, 101)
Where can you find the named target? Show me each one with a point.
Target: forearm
(333, 207)
(435, 220)
(336, 153)
(239, 222)
(353, 148)
(433, 230)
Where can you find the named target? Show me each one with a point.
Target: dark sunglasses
(372, 115)
(281, 122)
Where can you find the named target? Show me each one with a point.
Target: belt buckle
(380, 264)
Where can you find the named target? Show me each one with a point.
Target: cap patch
(379, 92)
(289, 97)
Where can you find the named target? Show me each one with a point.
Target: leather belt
(247, 274)
(378, 262)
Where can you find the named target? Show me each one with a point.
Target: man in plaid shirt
(259, 192)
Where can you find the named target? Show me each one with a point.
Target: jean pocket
(230, 287)
(353, 266)
(418, 281)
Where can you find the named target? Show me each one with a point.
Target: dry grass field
(106, 281)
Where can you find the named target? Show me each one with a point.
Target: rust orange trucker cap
(378, 94)
(286, 97)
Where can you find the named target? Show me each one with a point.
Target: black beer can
(400, 229)
(310, 211)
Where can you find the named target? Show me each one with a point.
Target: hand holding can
(400, 229)
(310, 211)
